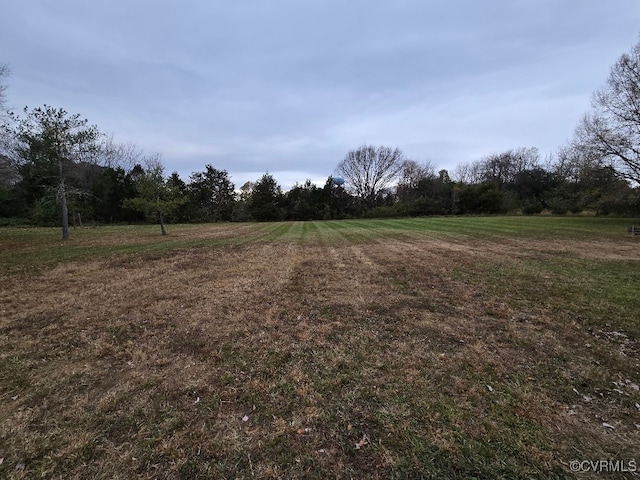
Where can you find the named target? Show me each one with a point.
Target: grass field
(475, 347)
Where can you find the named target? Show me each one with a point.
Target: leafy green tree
(110, 190)
(341, 203)
(179, 189)
(48, 145)
(154, 197)
(484, 198)
(211, 195)
(532, 188)
(266, 195)
(8, 178)
(583, 180)
(241, 204)
(423, 192)
(307, 202)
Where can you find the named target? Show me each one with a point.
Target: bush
(533, 208)
(14, 222)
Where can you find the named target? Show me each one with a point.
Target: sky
(289, 87)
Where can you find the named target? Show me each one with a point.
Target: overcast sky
(290, 86)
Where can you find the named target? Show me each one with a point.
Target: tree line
(56, 169)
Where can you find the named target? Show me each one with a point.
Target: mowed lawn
(473, 347)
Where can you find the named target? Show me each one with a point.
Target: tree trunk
(162, 229)
(65, 212)
(160, 219)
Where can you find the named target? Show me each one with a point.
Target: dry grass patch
(394, 358)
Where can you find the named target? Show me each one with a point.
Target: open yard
(484, 347)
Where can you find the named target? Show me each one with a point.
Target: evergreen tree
(266, 196)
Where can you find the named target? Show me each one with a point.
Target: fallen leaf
(363, 441)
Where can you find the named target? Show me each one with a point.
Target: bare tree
(5, 136)
(125, 155)
(499, 168)
(4, 72)
(573, 160)
(467, 172)
(503, 168)
(369, 170)
(612, 130)
(412, 172)
(9, 174)
(411, 175)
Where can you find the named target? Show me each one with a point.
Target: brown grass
(321, 360)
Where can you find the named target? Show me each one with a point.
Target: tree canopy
(52, 163)
(611, 131)
(264, 205)
(48, 146)
(211, 195)
(369, 169)
(155, 197)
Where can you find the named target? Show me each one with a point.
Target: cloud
(290, 87)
